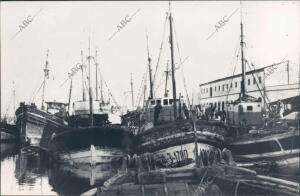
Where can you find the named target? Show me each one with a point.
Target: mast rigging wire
(160, 50)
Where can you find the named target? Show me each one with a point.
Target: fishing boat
(169, 130)
(92, 137)
(37, 125)
(258, 137)
(9, 132)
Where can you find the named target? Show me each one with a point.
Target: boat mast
(131, 84)
(90, 90)
(46, 76)
(96, 75)
(14, 96)
(83, 91)
(243, 85)
(150, 70)
(173, 68)
(70, 92)
(167, 76)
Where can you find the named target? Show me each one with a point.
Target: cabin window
(259, 79)
(158, 102)
(249, 82)
(153, 102)
(235, 84)
(249, 108)
(165, 102)
(170, 101)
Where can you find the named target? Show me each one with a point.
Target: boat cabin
(99, 107)
(161, 110)
(245, 113)
(57, 108)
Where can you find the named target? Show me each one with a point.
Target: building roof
(239, 75)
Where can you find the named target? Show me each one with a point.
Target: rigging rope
(182, 73)
(33, 98)
(236, 54)
(160, 49)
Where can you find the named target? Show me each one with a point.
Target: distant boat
(9, 132)
(37, 125)
(94, 135)
(169, 131)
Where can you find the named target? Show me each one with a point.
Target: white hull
(181, 155)
(92, 156)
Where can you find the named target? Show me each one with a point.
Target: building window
(254, 81)
(231, 85)
(219, 88)
(259, 79)
(226, 86)
(223, 87)
(215, 88)
(235, 84)
(165, 102)
(249, 82)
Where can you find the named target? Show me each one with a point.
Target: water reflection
(74, 179)
(23, 173)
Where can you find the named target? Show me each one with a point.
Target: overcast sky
(271, 33)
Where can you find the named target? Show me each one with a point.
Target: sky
(271, 32)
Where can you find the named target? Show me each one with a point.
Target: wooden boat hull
(9, 132)
(92, 156)
(277, 153)
(181, 155)
(36, 126)
(92, 145)
(173, 145)
(214, 180)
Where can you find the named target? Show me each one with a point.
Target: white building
(277, 81)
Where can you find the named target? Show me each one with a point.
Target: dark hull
(84, 120)
(108, 142)
(275, 153)
(9, 132)
(37, 127)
